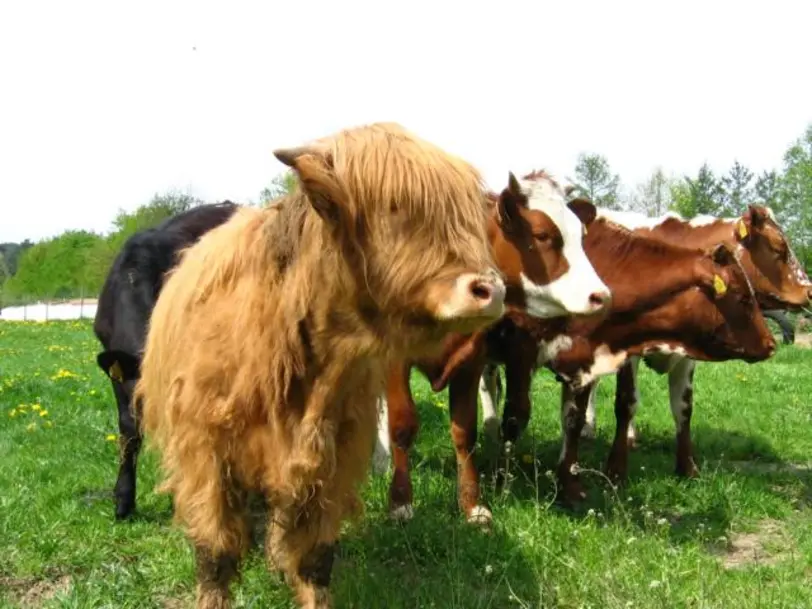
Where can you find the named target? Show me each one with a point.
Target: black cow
(126, 302)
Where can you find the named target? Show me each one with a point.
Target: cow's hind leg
(129, 447)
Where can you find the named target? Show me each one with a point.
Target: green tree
(794, 201)
(767, 188)
(681, 200)
(5, 273)
(11, 253)
(55, 268)
(654, 196)
(595, 180)
(738, 190)
(280, 185)
(705, 194)
(77, 262)
(160, 207)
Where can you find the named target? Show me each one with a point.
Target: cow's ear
(722, 254)
(511, 202)
(584, 209)
(118, 365)
(314, 168)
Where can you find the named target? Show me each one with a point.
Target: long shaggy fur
(266, 349)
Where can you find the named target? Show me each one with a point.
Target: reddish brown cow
(655, 302)
(778, 281)
(268, 345)
(536, 240)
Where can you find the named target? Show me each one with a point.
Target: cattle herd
(263, 351)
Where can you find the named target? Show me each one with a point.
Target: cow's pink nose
(481, 290)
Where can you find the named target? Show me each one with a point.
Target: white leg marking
(590, 427)
(402, 513)
(679, 381)
(382, 457)
(489, 399)
(632, 433)
(480, 515)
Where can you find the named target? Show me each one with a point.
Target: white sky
(101, 106)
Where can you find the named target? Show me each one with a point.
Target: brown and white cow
(536, 241)
(778, 280)
(662, 294)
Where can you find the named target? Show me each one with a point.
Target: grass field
(740, 536)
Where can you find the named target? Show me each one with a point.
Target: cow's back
(136, 275)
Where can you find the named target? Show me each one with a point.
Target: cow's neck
(640, 272)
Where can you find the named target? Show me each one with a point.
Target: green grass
(656, 543)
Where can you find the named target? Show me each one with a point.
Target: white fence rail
(47, 311)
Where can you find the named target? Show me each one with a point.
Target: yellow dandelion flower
(63, 374)
(44, 413)
(527, 458)
(35, 407)
(112, 437)
(31, 427)
(12, 413)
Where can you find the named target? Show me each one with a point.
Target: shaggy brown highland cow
(267, 347)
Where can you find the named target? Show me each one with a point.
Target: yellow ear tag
(719, 285)
(742, 227)
(115, 372)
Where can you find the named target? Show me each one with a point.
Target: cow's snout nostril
(481, 290)
(599, 299)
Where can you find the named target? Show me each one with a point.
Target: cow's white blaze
(570, 293)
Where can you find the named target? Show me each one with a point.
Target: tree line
(76, 263)
(787, 191)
